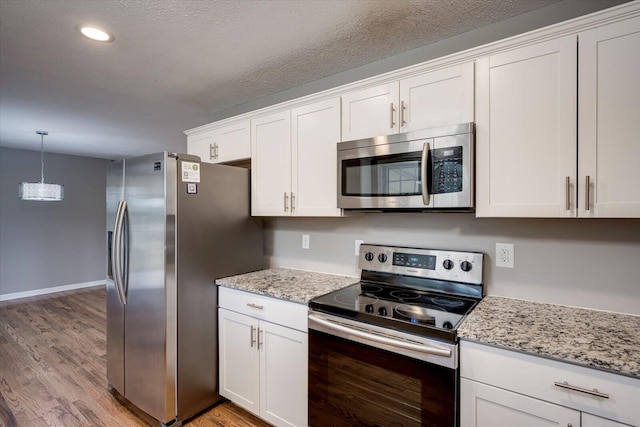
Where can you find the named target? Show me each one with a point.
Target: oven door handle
(437, 351)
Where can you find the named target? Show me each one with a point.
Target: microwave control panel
(446, 170)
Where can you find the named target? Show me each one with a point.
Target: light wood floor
(53, 367)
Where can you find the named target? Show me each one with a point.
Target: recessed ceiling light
(96, 34)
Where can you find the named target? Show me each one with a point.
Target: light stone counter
(291, 285)
(596, 339)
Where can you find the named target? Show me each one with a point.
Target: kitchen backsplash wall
(576, 262)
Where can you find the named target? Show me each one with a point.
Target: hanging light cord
(42, 158)
(42, 133)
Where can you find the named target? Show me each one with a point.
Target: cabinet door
(589, 420)
(609, 108)
(201, 145)
(370, 112)
(315, 133)
(239, 359)
(526, 131)
(485, 406)
(271, 165)
(438, 98)
(233, 142)
(283, 375)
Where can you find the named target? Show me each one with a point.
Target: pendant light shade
(39, 190)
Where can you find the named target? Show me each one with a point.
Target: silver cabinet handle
(567, 189)
(252, 305)
(260, 342)
(593, 392)
(293, 202)
(252, 337)
(215, 150)
(212, 151)
(423, 172)
(403, 109)
(444, 352)
(393, 110)
(587, 202)
(286, 202)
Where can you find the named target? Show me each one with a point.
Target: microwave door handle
(425, 182)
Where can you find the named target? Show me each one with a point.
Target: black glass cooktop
(418, 311)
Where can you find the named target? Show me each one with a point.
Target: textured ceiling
(175, 63)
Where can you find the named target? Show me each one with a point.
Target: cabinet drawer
(536, 377)
(285, 313)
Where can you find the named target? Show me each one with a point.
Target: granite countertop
(596, 339)
(291, 285)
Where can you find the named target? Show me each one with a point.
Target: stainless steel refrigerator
(174, 225)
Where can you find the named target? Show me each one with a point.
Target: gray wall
(578, 262)
(553, 14)
(48, 244)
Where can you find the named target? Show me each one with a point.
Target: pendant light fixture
(39, 190)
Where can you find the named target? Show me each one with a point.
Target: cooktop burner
(426, 292)
(378, 302)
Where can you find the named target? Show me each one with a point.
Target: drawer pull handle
(252, 305)
(593, 392)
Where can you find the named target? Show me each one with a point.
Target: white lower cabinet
(263, 364)
(505, 388)
(589, 420)
(486, 406)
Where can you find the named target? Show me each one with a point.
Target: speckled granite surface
(591, 338)
(291, 285)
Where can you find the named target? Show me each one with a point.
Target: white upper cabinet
(271, 165)
(314, 178)
(436, 98)
(294, 161)
(220, 145)
(370, 112)
(609, 109)
(526, 131)
(555, 128)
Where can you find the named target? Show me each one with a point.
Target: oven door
(360, 377)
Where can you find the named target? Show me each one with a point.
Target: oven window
(380, 176)
(351, 384)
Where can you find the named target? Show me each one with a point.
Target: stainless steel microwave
(419, 170)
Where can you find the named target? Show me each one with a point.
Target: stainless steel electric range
(384, 351)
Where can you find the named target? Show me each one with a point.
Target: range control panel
(454, 266)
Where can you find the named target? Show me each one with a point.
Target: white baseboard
(44, 291)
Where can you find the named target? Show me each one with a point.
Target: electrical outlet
(505, 255)
(358, 243)
(305, 241)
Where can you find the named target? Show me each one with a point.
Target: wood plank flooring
(53, 367)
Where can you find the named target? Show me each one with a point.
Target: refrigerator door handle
(125, 267)
(116, 256)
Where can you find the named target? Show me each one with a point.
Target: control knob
(382, 258)
(382, 311)
(466, 266)
(368, 256)
(368, 308)
(447, 264)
